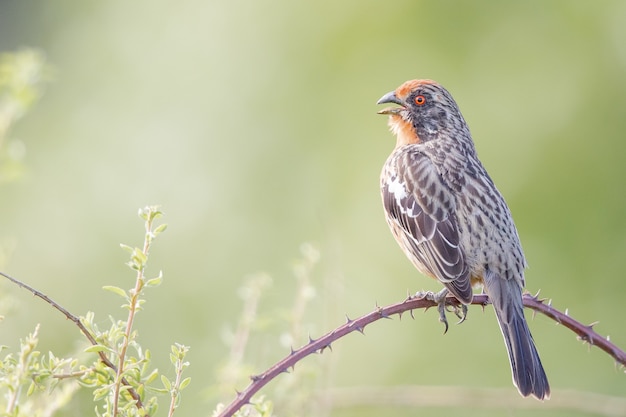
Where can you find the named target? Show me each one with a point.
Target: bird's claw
(462, 314)
(440, 299)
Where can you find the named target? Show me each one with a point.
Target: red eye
(420, 100)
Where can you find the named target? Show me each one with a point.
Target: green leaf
(153, 282)
(139, 255)
(150, 378)
(31, 389)
(127, 248)
(166, 383)
(184, 383)
(116, 290)
(160, 228)
(98, 348)
(100, 393)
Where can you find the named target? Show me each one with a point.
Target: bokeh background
(253, 124)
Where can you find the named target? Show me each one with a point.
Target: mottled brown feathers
(450, 219)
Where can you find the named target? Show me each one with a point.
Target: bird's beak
(391, 98)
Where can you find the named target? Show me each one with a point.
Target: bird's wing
(420, 207)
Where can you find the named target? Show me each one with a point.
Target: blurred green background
(253, 124)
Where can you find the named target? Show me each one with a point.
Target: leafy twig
(177, 358)
(138, 262)
(80, 325)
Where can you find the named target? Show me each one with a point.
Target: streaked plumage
(451, 221)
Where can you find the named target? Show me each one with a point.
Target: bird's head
(426, 110)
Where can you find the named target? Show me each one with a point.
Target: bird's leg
(440, 299)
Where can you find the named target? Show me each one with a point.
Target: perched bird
(452, 222)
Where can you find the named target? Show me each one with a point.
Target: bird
(451, 221)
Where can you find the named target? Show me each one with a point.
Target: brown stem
(412, 303)
(586, 333)
(82, 328)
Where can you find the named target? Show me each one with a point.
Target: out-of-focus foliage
(115, 366)
(22, 74)
(253, 124)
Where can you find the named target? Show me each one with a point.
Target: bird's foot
(440, 299)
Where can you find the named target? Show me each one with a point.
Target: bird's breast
(403, 130)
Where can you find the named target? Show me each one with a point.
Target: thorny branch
(82, 328)
(585, 333)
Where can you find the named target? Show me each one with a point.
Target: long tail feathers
(528, 374)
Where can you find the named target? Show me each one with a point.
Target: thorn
(608, 338)
(412, 315)
(550, 302)
(587, 339)
(311, 340)
(348, 320)
(238, 392)
(590, 327)
(292, 351)
(567, 311)
(325, 347)
(256, 378)
(361, 330)
(285, 371)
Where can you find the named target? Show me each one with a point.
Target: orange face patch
(408, 87)
(403, 129)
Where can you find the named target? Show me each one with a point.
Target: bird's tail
(528, 374)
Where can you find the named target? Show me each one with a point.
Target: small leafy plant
(121, 376)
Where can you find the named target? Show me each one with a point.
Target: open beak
(391, 98)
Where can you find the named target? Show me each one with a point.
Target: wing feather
(420, 211)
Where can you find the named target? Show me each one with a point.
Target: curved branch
(83, 329)
(586, 333)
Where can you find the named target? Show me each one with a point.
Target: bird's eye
(420, 100)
